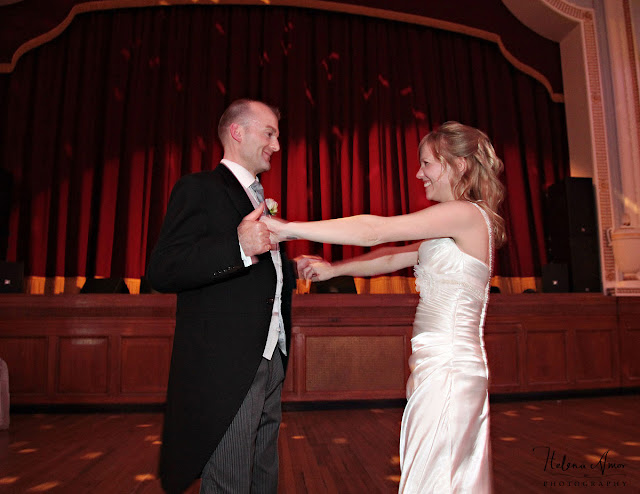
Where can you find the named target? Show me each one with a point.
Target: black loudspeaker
(572, 233)
(104, 285)
(6, 181)
(145, 286)
(11, 277)
(339, 284)
(555, 278)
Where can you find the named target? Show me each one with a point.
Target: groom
(233, 316)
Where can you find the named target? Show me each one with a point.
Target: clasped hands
(254, 236)
(258, 234)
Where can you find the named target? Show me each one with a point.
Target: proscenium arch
(345, 8)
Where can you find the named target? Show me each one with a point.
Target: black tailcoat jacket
(222, 317)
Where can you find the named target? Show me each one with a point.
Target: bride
(444, 441)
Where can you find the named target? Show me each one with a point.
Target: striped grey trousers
(246, 459)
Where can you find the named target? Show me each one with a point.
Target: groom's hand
(254, 235)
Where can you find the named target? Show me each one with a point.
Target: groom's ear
(236, 132)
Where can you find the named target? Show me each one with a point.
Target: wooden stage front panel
(116, 349)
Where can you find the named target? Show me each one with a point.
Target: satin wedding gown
(444, 439)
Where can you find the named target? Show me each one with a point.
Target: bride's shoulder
(457, 206)
(455, 217)
(464, 214)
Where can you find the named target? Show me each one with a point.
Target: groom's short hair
(240, 112)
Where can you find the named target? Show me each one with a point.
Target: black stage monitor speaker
(145, 286)
(11, 277)
(572, 233)
(104, 285)
(339, 284)
(6, 181)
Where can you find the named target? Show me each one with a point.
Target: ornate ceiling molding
(332, 6)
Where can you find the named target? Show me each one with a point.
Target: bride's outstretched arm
(441, 220)
(379, 261)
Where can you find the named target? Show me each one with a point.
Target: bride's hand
(314, 268)
(276, 228)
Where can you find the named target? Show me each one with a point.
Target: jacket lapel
(237, 194)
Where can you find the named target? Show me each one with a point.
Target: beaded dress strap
(487, 288)
(490, 230)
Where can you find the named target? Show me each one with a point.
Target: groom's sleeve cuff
(246, 260)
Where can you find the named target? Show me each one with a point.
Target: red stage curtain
(97, 125)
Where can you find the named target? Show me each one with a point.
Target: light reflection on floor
(44, 487)
(92, 455)
(145, 477)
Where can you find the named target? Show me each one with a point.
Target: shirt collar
(244, 176)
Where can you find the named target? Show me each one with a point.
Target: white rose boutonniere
(272, 206)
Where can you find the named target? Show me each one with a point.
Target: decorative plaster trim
(602, 181)
(632, 59)
(309, 4)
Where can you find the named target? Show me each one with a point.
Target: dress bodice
(442, 263)
(453, 288)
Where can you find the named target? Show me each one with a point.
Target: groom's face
(260, 139)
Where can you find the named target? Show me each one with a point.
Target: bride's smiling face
(435, 176)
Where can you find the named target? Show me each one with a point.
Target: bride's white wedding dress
(444, 440)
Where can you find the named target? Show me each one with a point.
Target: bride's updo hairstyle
(479, 181)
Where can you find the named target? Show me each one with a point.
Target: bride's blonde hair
(479, 181)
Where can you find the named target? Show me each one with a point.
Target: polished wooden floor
(546, 446)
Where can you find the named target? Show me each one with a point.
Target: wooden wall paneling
(338, 316)
(301, 364)
(503, 344)
(631, 356)
(144, 364)
(27, 363)
(289, 387)
(348, 361)
(298, 354)
(595, 345)
(353, 310)
(629, 322)
(114, 366)
(116, 348)
(547, 364)
(596, 358)
(52, 366)
(407, 351)
(83, 365)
